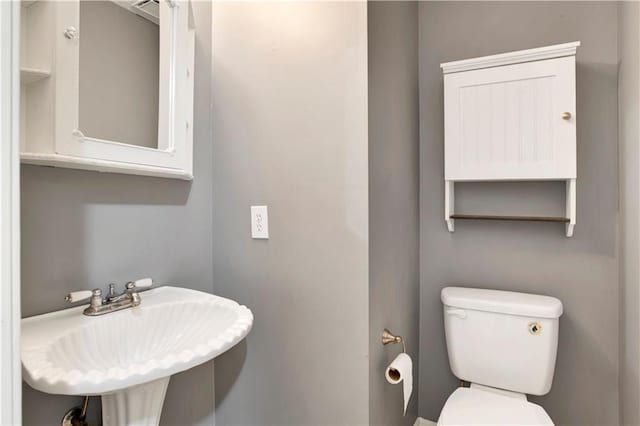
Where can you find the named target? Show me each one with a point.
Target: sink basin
(128, 356)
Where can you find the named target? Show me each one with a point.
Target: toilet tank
(502, 339)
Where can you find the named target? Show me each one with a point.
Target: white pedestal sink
(128, 356)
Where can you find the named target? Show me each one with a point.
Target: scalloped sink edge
(174, 329)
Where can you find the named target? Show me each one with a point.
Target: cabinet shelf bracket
(571, 206)
(449, 202)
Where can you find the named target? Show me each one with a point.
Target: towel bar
(511, 218)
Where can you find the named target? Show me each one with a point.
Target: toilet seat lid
(468, 406)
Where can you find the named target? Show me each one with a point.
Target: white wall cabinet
(511, 117)
(51, 133)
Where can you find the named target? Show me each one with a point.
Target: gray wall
(119, 59)
(290, 131)
(582, 271)
(393, 200)
(82, 230)
(629, 150)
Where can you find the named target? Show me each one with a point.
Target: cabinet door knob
(71, 33)
(566, 116)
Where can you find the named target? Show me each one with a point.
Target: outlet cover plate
(259, 222)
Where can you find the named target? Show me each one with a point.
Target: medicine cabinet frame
(53, 136)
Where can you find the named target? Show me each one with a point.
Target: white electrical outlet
(259, 222)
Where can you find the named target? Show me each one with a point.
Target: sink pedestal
(135, 406)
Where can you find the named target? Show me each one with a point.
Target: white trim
(82, 163)
(529, 55)
(10, 371)
(424, 422)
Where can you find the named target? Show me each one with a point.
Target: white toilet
(505, 344)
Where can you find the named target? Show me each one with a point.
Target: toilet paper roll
(401, 370)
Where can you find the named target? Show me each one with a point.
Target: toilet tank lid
(504, 302)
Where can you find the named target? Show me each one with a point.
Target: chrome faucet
(129, 298)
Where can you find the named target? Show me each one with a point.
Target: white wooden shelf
(83, 163)
(32, 75)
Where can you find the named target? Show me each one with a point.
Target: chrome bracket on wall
(388, 337)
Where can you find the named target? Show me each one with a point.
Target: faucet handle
(141, 283)
(78, 296)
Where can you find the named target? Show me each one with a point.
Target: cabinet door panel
(507, 122)
(173, 155)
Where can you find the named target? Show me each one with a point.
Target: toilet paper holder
(389, 337)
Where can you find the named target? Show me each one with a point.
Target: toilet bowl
(504, 344)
